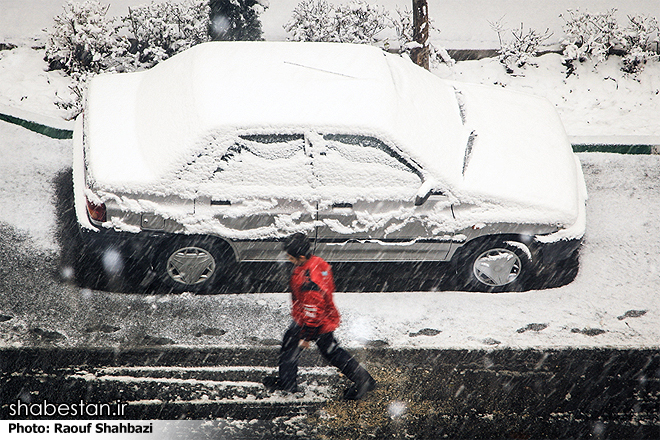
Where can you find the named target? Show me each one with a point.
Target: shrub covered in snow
(519, 52)
(160, 30)
(312, 20)
(84, 42)
(354, 22)
(638, 38)
(590, 35)
(597, 36)
(360, 22)
(83, 38)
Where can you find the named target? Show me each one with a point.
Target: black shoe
(358, 390)
(273, 383)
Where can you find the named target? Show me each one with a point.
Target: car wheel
(496, 266)
(193, 264)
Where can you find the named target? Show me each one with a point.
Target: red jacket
(311, 293)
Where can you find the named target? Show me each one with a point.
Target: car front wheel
(496, 266)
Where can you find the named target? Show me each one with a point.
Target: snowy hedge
(83, 38)
(356, 22)
(594, 36)
(597, 36)
(85, 41)
(160, 30)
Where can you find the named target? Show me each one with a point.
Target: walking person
(315, 318)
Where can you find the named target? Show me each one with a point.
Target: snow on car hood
(518, 155)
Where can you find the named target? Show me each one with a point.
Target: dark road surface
(424, 394)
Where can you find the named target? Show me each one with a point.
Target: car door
(261, 190)
(367, 208)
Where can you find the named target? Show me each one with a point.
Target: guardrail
(48, 126)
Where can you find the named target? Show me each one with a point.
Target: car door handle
(342, 205)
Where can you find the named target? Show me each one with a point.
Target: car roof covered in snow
(140, 124)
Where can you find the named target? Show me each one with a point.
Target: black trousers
(330, 350)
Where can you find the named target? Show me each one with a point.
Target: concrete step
(236, 391)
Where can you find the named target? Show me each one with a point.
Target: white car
(217, 154)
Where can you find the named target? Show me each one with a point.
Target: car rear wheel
(496, 266)
(193, 264)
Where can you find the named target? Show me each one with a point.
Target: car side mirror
(421, 199)
(427, 190)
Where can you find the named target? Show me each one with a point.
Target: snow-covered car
(215, 155)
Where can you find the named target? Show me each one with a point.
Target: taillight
(96, 212)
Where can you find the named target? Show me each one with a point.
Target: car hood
(517, 158)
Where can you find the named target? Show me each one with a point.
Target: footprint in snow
(376, 343)
(588, 331)
(211, 332)
(46, 334)
(632, 314)
(491, 341)
(266, 341)
(425, 332)
(532, 327)
(103, 328)
(155, 340)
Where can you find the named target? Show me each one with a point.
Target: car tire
(495, 265)
(193, 264)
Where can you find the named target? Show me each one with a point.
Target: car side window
(264, 160)
(268, 160)
(391, 157)
(362, 161)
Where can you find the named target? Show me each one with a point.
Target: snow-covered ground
(612, 302)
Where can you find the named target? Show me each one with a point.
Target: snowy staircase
(170, 392)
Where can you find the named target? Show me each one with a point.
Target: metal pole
(420, 54)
